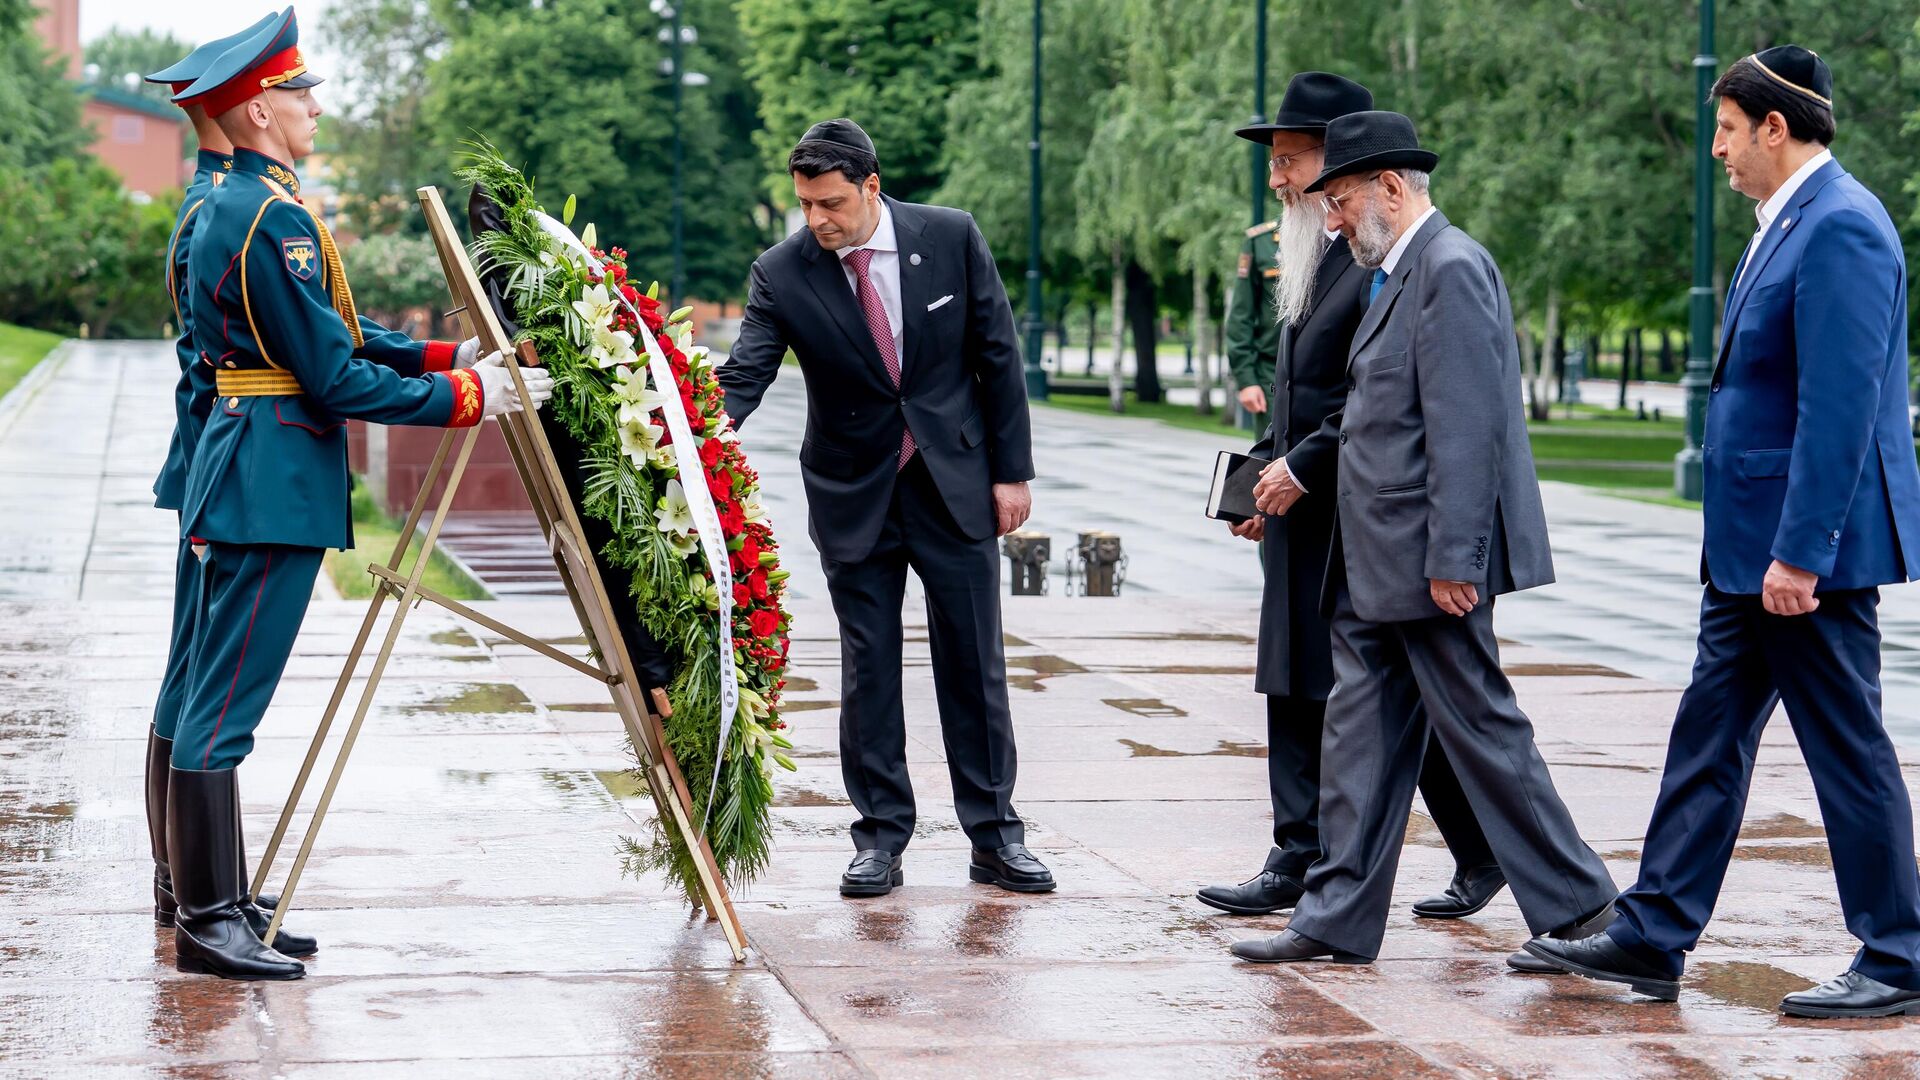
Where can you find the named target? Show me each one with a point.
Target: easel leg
(346, 675)
(373, 682)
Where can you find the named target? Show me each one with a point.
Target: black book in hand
(1231, 497)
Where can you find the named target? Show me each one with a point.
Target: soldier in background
(1253, 327)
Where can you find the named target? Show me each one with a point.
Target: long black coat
(963, 388)
(1309, 392)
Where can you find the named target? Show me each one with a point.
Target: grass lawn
(1181, 416)
(20, 349)
(374, 535)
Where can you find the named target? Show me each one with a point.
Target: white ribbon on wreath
(706, 517)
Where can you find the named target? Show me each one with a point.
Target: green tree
(890, 65)
(573, 91)
(121, 59)
(89, 241)
(39, 112)
(395, 271)
(380, 145)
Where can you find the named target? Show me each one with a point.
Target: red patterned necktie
(882, 331)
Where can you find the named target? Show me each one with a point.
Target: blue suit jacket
(1808, 451)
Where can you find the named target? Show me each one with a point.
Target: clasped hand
(1277, 490)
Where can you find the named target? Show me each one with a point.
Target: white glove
(467, 354)
(496, 386)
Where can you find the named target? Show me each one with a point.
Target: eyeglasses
(1337, 202)
(1281, 163)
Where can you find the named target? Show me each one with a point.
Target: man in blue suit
(1812, 503)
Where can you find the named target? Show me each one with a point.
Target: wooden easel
(560, 524)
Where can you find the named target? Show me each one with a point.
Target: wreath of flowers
(583, 315)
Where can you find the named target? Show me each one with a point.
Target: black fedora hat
(1362, 141)
(1312, 100)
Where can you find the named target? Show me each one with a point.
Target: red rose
(732, 518)
(747, 559)
(766, 622)
(742, 596)
(710, 451)
(757, 581)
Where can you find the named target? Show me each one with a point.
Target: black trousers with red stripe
(252, 600)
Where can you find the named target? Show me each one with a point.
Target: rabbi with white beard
(1320, 295)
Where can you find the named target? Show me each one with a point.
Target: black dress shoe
(1600, 957)
(1528, 964)
(287, 942)
(1851, 995)
(1472, 888)
(1013, 868)
(871, 873)
(1288, 946)
(1269, 891)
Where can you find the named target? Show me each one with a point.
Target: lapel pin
(914, 259)
(1785, 224)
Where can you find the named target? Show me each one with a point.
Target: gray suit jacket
(1436, 476)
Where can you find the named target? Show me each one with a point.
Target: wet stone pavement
(474, 920)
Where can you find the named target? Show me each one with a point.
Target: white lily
(595, 306)
(675, 518)
(638, 441)
(612, 347)
(751, 507)
(637, 400)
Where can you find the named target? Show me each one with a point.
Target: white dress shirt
(883, 271)
(1399, 247)
(1769, 211)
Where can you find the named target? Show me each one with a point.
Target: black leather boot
(159, 751)
(211, 935)
(286, 942)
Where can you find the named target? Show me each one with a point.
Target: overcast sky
(202, 20)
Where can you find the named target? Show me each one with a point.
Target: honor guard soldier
(1253, 329)
(267, 487)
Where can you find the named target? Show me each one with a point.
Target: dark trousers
(1395, 684)
(962, 581)
(1293, 779)
(253, 598)
(186, 611)
(1826, 667)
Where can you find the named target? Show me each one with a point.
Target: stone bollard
(1099, 563)
(1028, 552)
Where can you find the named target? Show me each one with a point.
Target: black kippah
(840, 132)
(1799, 70)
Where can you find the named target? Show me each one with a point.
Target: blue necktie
(1374, 285)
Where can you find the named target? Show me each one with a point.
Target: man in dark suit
(1437, 512)
(1812, 503)
(917, 453)
(1320, 296)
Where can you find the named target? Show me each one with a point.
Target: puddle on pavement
(584, 706)
(1797, 854)
(476, 698)
(1782, 827)
(881, 1004)
(800, 796)
(1040, 667)
(1744, 983)
(807, 706)
(28, 835)
(1599, 670)
(881, 925)
(1422, 831)
(1012, 642)
(455, 637)
(986, 929)
(800, 684)
(1222, 748)
(1149, 707)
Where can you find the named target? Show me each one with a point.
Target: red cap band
(265, 75)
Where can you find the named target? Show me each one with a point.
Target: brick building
(142, 140)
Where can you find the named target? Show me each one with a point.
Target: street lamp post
(677, 37)
(1688, 480)
(1036, 326)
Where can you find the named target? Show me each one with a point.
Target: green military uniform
(1253, 330)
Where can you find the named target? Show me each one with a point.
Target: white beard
(1303, 240)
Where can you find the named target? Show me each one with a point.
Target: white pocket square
(940, 303)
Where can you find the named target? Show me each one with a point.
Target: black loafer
(1472, 889)
(1600, 957)
(1290, 947)
(871, 873)
(1851, 995)
(1528, 964)
(1013, 868)
(1269, 891)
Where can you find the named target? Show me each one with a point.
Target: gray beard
(1372, 238)
(1303, 240)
